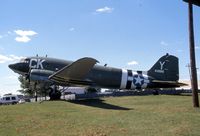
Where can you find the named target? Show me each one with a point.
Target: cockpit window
(24, 60)
(21, 60)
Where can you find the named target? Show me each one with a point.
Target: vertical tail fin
(165, 69)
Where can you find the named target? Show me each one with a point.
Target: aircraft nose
(11, 66)
(19, 67)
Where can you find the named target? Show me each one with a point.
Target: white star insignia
(138, 80)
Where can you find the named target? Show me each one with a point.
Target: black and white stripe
(127, 79)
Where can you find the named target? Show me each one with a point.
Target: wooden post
(194, 83)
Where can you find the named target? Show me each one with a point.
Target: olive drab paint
(163, 74)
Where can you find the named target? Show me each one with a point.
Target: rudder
(165, 69)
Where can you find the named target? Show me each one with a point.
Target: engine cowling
(40, 75)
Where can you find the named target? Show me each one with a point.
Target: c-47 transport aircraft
(85, 72)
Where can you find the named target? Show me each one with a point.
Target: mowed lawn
(121, 116)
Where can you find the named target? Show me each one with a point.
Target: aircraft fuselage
(41, 68)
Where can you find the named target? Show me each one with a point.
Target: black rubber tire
(155, 92)
(54, 95)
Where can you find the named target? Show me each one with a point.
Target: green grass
(139, 115)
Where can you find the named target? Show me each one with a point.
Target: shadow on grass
(99, 104)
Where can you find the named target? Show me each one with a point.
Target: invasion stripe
(124, 78)
(128, 84)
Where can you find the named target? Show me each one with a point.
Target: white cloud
(9, 84)
(71, 29)
(4, 59)
(15, 58)
(24, 36)
(164, 43)
(1, 36)
(9, 58)
(25, 33)
(132, 63)
(22, 39)
(104, 10)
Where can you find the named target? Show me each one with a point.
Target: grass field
(123, 116)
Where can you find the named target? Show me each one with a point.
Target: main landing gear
(54, 93)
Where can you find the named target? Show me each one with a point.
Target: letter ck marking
(161, 65)
(38, 63)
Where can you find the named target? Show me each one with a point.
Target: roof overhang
(195, 2)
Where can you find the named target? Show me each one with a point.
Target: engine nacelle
(40, 75)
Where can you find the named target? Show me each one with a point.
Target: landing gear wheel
(155, 92)
(54, 94)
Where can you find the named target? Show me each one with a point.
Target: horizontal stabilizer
(75, 71)
(171, 83)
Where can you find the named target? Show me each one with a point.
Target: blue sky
(115, 32)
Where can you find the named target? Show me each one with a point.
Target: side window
(13, 98)
(7, 98)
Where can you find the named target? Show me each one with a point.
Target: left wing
(75, 72)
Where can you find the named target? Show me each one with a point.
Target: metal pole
(188, 65)
(194, 84)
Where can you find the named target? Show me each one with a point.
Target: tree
(26, 86)
(33, 88)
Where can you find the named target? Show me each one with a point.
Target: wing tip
(90, 58)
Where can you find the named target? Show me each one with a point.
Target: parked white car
(9, 99)
(21, 101)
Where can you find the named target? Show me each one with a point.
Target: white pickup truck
(9, 99)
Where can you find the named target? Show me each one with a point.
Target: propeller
(27, 76)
